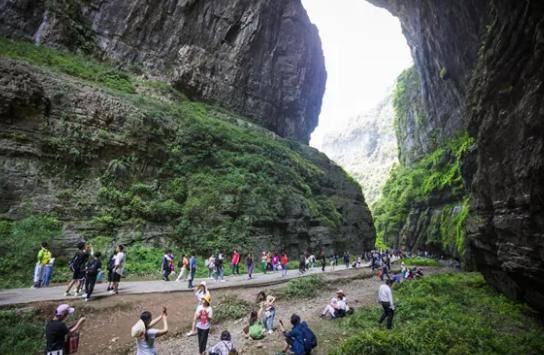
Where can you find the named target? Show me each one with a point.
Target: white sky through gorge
(364, 53)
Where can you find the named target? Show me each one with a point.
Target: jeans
(388, 313)
(269, 319)
(192, 277)
(166, 273)
(38, 274)
(90, 280)
(250, 270)
(284, 270)
(221, 272)
(202, 339)
(47, 274)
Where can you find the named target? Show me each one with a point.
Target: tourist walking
(92, 269)
(77, 266)
(346, 259)
(167, 264)
(192, 270)
(118, 268)
(385, 297)
(211, 267)
(235, 262)
(284, 264)
(202, 321)
(43, 258)
(323, 260)
(145, 334)
(302, 264)
(56, 331)
(184, 271)
(220, 267)
(263, 262)
(111, 266)
(48, 272)
(249, 266)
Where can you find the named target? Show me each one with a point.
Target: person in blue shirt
(192, 270)
(301, 340)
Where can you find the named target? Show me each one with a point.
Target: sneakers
(84, 295)
(87, 299)
(190, 334)
(270, 331)
(66, 294)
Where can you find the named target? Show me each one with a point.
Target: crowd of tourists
(86, 268)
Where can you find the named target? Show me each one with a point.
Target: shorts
(78, 275)
(116, 277)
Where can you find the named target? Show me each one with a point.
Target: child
(91, 272)
(225, 345)
(256, 329)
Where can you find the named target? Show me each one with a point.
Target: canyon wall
(262, 59)
(480, 64)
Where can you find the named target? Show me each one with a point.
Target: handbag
(71, 344)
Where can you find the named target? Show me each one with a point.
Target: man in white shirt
(385, 297)
(119, 266)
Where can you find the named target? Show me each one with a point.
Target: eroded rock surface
(262, 58)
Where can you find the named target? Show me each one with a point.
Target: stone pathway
(56, 293)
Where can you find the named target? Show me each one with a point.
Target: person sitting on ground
(255, 330)
(144, 333)
(337, 307)
(56, 331)
(419, 272)
(301, 340)
(225, 345)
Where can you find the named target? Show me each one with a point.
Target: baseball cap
(64, 308)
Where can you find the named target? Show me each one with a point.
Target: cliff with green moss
(424, 203)
(107, 156)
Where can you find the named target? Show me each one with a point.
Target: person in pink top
(235, 262)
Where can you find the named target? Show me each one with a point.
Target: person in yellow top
(44, 256)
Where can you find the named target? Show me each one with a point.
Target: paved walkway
(56, 293)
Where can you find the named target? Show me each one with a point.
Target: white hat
(203, 283)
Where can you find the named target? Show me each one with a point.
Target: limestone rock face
(366, 147)
(480, 64)
(63, 141)
(261, 58)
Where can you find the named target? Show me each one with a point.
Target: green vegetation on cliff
(436, 176)
(146, 167)
(446, 314)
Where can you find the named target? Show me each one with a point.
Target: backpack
(75, 263)
(308, 337)
(111, 263)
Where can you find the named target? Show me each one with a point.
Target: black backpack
(309, 338)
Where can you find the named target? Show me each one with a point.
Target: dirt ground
(109, 320)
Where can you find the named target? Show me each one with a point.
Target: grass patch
(68, 63)
(417, 261)
(303, 287)
(22, 332)
(446, 314)
(230, 307)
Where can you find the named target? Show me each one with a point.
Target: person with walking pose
(284, 262)
(192, 270)
(118, 268)
(249, 264)
(77, 266)
(184, 271)
(235, 262)
(385, 297)
(44, 256)
(92, 269)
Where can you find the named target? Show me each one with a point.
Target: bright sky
(364, 53)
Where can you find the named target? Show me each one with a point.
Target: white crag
(366, 147)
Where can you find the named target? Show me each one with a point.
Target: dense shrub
(22, 332)
(304, 287)
(449, 313)
(230, 307)
(417, 261)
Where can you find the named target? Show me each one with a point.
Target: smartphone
(164, 311)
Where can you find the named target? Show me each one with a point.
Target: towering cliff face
(132, 166)
(261, 58)
(366, 147)
(480, 68)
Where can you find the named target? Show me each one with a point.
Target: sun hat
(64, 308)
(203, 283)
(340, 292)
(207, 298)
